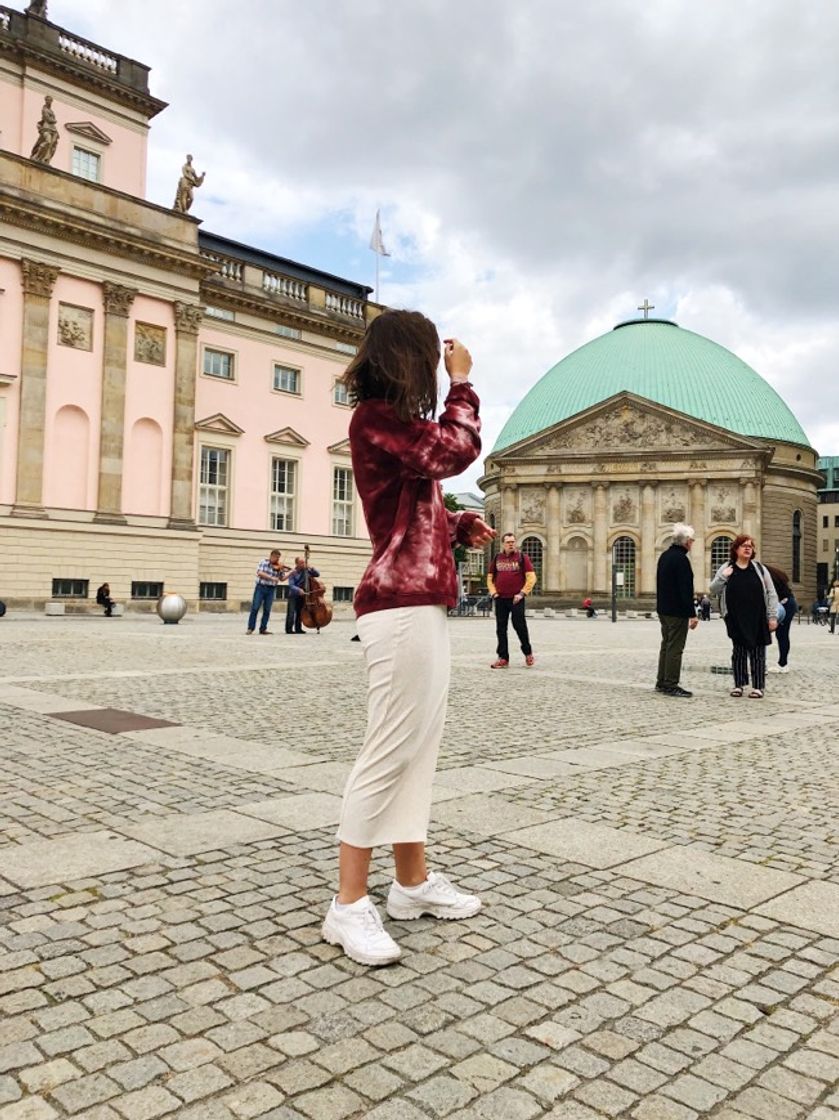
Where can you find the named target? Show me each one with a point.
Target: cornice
(266, 307)
(112, 239)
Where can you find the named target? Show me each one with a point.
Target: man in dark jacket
(676, 611)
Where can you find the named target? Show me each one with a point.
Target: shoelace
(372, 920)
(443, 883)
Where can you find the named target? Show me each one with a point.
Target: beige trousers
(387, 799)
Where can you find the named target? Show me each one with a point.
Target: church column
(508, 509)
(187, 322)
(648, 544)
(699, 520)
(600, 538)
(38, 282)
(554, 528)
(118, 301)
(747, 489)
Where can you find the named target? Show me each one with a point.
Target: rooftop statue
(189, 180)
(37, 8)
(47, 141)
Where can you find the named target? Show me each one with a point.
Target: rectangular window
(218, 363)
(836, 522)
(825, 521)
(346, 348)
(288, 332)
(283, 490)
(286, 379)
(342, 502)
(146, 589)
(342, 594)
(213, 483)
(212, 592)
(220, 313)
(86, 165)
(825, 544)
(340, 393)
(70, 588)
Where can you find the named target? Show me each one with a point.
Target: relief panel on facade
(624, 426)
(624, 505)
(723, 504)
(577, 508)
(150, 344)
(75, 326)
(673, 504)
(532, 505)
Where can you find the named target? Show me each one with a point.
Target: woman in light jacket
(833, 605)
(749, 605)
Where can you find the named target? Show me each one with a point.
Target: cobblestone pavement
(660, 935)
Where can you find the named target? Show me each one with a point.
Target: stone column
(508, 509)
(38, 282)
(554, 530)
(699, 521)
(187, 322)
(601, 535)
(117, 301)
(747, 488)
(648, 543)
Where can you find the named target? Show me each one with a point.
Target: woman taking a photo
(749, 605)
(399, 455)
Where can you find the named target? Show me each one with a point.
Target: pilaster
(648, 541)
(601, 535)
(508, 509)
(117, 301)
(699, 521)
(38, 282)
(553, 533)
(187, 324)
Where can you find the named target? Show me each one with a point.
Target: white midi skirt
(387, 799)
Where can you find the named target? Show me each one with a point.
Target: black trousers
(505, 611)
(674, 633)
(292, 614)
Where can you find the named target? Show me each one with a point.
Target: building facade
(169, 399)
(827, 549)
(643, 427)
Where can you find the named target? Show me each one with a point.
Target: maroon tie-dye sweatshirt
(398, 466)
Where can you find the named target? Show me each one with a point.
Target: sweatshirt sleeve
(460, 525)
(435, 448)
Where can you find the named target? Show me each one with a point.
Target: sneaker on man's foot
(499, 664)
(436, 896)
(678, 691)
(529, 660)
(358, 929)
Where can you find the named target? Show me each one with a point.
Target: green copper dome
(656, 359)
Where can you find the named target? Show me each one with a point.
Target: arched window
(623, 559)
(532, 547)
(720, 553)
(796, 546)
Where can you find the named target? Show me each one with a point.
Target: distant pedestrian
(297, 595)
(103, 598)
(510, 578)
(787, 600)
(268, 575)
(749, 605)
(705, 604)
(676, 610)
(833, 605)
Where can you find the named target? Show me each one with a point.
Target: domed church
(647, 425)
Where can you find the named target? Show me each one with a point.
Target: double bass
(316, 612)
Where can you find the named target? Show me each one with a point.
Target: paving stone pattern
(660, 937)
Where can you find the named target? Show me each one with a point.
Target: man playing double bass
(297, 594)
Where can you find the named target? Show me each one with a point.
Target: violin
(316, 612)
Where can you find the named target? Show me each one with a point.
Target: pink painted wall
(74, 378)
(149, 396)
(123, 165)
(252, 404)
(11, 330)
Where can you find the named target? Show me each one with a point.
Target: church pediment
(288, 437)
(625, 424)
(88, 131)
(340, 448)
(220, 424)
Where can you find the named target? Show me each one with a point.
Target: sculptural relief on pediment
(532, 505)
(625, 505)
(625, 426)
(724, 505)
(577, 506)
(673, 504)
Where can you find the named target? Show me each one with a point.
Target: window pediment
(340, 448)
(287, 436)
(88, 131)
(219, 423)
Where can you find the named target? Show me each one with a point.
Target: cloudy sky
(541, 166)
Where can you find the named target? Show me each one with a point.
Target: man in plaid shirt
(269, 573)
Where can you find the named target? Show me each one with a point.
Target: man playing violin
(268, 575)
(297, 594)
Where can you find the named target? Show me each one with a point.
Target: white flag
(376, 242)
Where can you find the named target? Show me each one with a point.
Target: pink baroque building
(170, 406)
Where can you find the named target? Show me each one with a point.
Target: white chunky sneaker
(358, 929)
(436, 896)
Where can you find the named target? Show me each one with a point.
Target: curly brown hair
(397, 362)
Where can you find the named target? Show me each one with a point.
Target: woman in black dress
(749, 605)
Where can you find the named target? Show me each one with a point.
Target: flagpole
(377, 277)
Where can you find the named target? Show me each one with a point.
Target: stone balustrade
(228, 267)
(344, 305)
(277, 285)
(82, 51)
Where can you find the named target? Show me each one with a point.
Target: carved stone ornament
(649, 466)
(723, 511)
(37, 8)
(577, 508)
(150, 344)
(533, 504)
(188, 317)
(38, 278)
(673, 506)
(75, 326)
(624, 509)
(44, 147)
(117, 299)
(625, 426)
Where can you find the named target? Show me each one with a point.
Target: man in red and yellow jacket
(510, 578)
